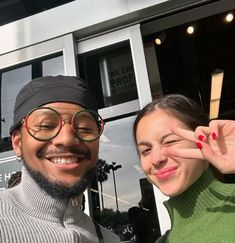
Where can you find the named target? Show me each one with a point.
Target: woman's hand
(216, 144)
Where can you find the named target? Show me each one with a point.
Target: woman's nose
(66, 136)
(158, 156)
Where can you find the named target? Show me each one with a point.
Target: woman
(176, 159)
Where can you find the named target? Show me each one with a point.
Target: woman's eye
(171, 142)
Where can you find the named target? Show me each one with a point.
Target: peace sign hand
(216, 144)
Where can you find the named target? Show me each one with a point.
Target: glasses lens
(88, 125)
(43, 123)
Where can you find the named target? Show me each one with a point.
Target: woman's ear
(16, 142)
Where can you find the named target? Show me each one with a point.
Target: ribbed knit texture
(205, 213)
(29, 215)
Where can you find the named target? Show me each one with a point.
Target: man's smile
(65, 159)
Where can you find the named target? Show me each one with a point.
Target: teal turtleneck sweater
(29, 215)
(205, 213)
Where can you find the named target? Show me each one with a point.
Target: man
(55, 133)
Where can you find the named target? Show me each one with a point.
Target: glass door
(122, 199)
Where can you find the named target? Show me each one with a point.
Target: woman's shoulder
(223, 189)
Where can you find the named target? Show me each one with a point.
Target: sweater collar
(197, 199)
(32, 199)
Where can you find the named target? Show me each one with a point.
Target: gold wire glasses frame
(45, 123)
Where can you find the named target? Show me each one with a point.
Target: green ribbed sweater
(205, 213)
(29, 215)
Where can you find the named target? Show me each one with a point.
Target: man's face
(63, 162)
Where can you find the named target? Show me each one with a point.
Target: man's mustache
(86, 153)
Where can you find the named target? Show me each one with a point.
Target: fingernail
(201, 137)
(199, 145)
(214, 136)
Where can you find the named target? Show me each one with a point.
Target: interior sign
(122, 79)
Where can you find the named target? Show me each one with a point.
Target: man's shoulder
(4, 195)
(5, 199)
(6, 206)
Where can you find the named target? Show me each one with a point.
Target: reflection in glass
(12, 81)
(53, 66)
(117, 146)
(122, 185)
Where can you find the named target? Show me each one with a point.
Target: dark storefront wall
(185, 62)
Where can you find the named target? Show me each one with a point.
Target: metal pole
(114, 181)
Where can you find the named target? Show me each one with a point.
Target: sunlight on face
(171, 175)
(65, 158)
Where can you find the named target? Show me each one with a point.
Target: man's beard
(57, 189)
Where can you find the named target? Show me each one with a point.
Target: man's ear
(16, 142)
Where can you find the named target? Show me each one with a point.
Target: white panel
(70, 55)
(63, 20)
(163, 216)
(141, 73)
(63, 44)
(103, 40)
(140, 4)
(31, 53)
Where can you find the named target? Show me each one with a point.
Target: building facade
(129, 52)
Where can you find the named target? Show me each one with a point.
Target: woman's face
(172, 175)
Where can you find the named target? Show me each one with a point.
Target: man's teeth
(69, 160)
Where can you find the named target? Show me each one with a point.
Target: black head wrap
(50, 89)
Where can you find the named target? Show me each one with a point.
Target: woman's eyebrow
(146, 143)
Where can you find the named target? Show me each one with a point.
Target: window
(13, 79)
(114, 66)
(110, 74)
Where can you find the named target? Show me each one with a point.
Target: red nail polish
(201, 137)
(214, 136)
(199, 145)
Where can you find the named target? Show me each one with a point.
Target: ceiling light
(161, 36)
(158, 41)
(190, 30)
(229, 17)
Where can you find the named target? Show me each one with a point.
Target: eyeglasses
(45, 123)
